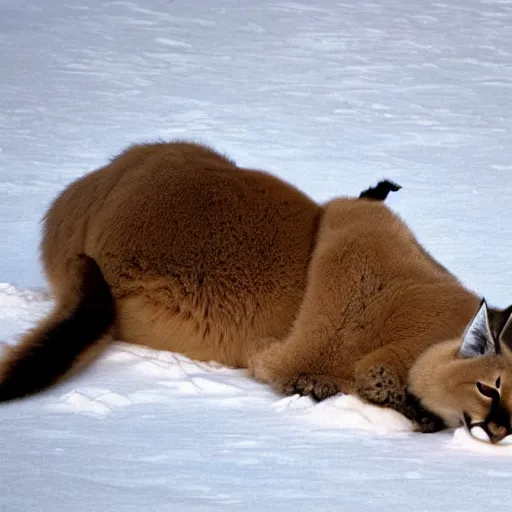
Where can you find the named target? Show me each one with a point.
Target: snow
(332, 96)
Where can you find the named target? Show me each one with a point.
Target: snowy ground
(330, 95)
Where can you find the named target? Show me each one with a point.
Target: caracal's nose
(497, 432)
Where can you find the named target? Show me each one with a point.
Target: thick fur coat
(182, 250)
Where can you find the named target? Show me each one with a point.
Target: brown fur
(375, 301)
(202, 257)
(234, 265)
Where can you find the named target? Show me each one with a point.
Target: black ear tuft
(478, 339)
(381, 191)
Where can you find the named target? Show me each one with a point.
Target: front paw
(429, 423)
(319, 387)
(378, 384)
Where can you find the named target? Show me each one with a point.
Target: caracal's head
(469, 381)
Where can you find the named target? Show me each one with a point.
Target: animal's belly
(223, 328)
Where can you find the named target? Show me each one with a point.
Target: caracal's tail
(79, 321)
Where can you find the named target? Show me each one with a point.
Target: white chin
(480, 434)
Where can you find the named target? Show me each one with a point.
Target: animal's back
(67, 222)
(398, 289)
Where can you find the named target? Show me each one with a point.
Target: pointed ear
(505, 334)
(478, 339)
(500, 321)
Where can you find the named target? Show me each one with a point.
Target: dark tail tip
(380, 191)
(45, 356)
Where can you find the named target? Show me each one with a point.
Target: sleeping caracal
(173, 246)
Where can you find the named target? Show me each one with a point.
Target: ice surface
(332, 95)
